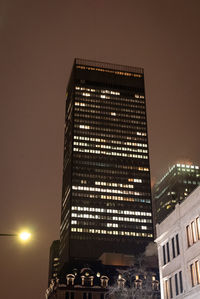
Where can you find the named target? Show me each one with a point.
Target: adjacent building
(102, 280)
(178, 240)
(106, 193)
(53, 260)
(173, 188)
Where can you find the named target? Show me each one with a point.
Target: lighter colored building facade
(178, 241)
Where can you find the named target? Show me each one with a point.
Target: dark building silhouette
(174, 187)
(53, 260)
(106, 194)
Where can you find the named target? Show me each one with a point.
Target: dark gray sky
(39, 40)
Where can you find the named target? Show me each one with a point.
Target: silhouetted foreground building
(54, 260)
(99, 281)
(178, 239)
(174, 187)
(106, 195)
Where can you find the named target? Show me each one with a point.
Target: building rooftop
(110, 66)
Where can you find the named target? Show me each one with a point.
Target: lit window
(198, 227)
(197, 272)
(167, 289)
(193, 232)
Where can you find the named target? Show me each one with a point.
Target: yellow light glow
(24, 236)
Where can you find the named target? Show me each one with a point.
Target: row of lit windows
(101, 115)
(116, 191)
(110, 232)
(110, 141)
(121, 73)
(117, 105)
(110, 197)
(82, 150)
(99, 111)
(99, 145)
(111, 211)
(118, 184)
(122, 132)
(110, 218)
(112, 224)
(96, 125)
(112, 109)
(121, 135)
(193, 232)
(111, 147)
(187, 166)
(104, 91)
(114, 102)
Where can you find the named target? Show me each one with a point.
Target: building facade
(106, 194)
(174, 187)
(178, 240)
(103, 281)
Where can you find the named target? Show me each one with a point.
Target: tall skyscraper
(174, 187)
(106, 195)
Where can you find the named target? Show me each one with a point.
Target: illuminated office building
(174, 187)
(106, 196)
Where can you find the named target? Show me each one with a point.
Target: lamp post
(8, 235)
(24, 236)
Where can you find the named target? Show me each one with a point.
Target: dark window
(164, 256)
(188, 235)
(168, 255)
(84, 296)
(102, 296)
(176, 284)
(90, 296)
(173, 248)
(177, 245)
(181, 282)
(192, 274)
(67, 296)
(170, 287)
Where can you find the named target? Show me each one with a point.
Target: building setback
(178, 240)
(106, 195)
(174, 187)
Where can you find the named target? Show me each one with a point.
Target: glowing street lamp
(23, 236)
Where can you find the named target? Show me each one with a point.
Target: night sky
(39, 40)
